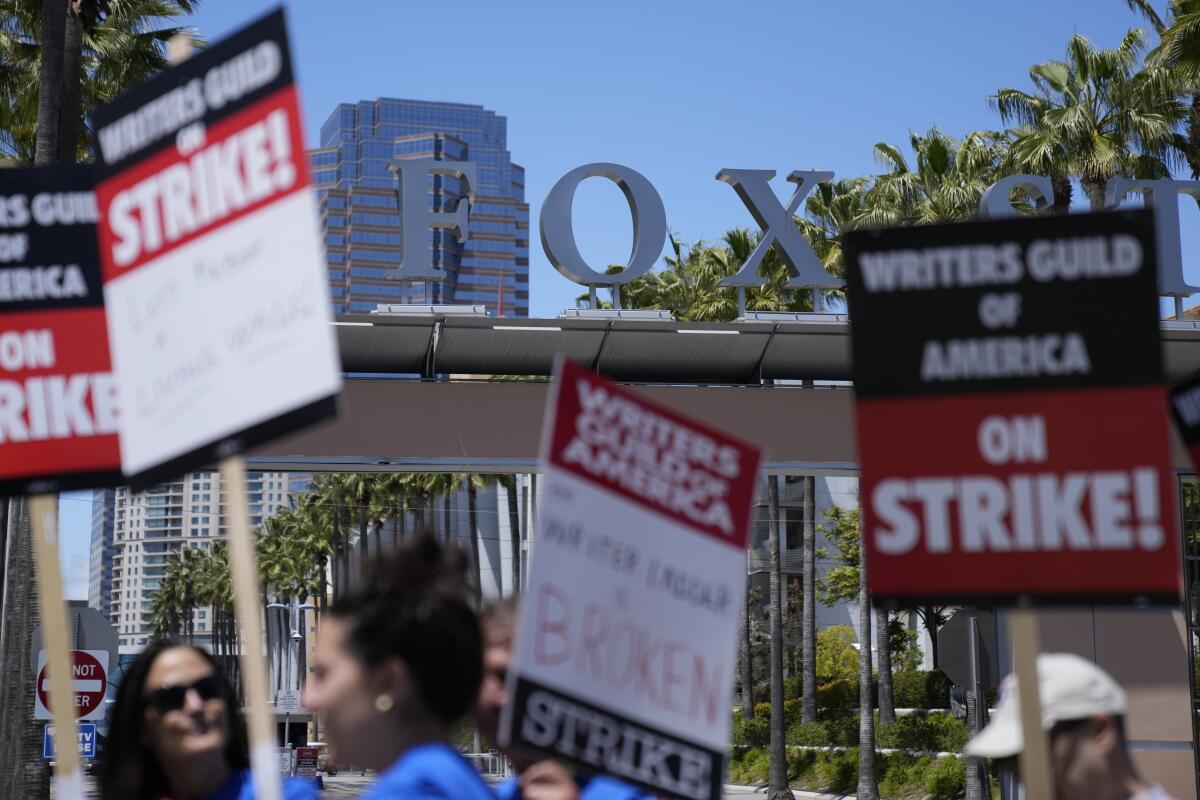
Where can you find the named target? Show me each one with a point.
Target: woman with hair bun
(397, 664)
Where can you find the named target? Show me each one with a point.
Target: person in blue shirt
(176, 733)
(397, 664)
(540, 780)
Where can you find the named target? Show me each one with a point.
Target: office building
(100, 566)
(358, 205)
(151, 528)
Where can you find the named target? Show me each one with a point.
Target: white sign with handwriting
(218, 303)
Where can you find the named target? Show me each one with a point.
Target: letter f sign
(416, 216)
(779, 229)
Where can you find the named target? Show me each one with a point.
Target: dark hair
(413, 605)
(129, 770)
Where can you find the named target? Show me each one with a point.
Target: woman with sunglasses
(176, 733)
(397, 664)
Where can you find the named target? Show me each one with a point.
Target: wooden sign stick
(243, 562)
(68, 779)
(1035, 755)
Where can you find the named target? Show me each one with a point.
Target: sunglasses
(172, 698)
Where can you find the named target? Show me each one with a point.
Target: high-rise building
(150, 528)
(100, 567)
(358, 202)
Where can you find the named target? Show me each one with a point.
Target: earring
(384, 703)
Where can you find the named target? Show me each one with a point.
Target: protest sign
(624, 653)
(58, 407)
(1012, 425)
(1185, 403)
(219, 313)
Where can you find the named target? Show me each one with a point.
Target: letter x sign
(779, 228)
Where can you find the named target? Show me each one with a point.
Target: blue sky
(675, 90)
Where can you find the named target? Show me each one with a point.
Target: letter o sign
(558, 230)
(993, 440)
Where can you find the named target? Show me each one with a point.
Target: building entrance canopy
(716, 372)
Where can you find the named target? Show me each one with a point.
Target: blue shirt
(596, 787)
(240, 786)
(433, 771)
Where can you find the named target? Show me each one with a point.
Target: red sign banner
(1012, 422)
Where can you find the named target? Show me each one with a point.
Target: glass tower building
(358, 201)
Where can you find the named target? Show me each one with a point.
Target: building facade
(100, 562)
(149, 529)
(358, 205)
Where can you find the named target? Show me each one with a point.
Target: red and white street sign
(625, 648)
(89, 684)
(1012, 420)
(220, 319)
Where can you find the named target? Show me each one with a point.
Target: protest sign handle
(243, 562)
(1035, 755)
(43, 510)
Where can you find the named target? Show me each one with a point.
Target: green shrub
(902, 774)
(837, 771)
(749, 766)
(792, 687)
(756, 731)
(813, 734)
(837, 697)
(921, 689)
(837, 658)
(937, 732)
(947, 779)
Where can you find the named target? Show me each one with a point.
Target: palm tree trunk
(378, 526)
(364, 553)
(747, 666)
(69, 112)
(449, 529)
(932, 628)
(887, 703)
(1193, 151)
(514, 533)
(50, 80)
(1095, 191)
(777, 782)
(475, 565)
(868, 786)
(23, 771)
(808, 612)
(1062, 196)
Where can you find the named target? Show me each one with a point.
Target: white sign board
(219, 315)
(287, 701)
(627, 637)
(89, 683)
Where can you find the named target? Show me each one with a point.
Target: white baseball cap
(1071, 688)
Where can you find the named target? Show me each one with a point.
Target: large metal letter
(996, 202)
(416, 216)
(1161, 196)
(779, 229)
(558, 230)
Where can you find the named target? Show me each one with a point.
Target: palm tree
(745, 654)
(887, 703)
(1093, 117)
(509, 482)
(946, 184)
(808, 610)
(101, 49)
(868, 785)
(777, 781)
